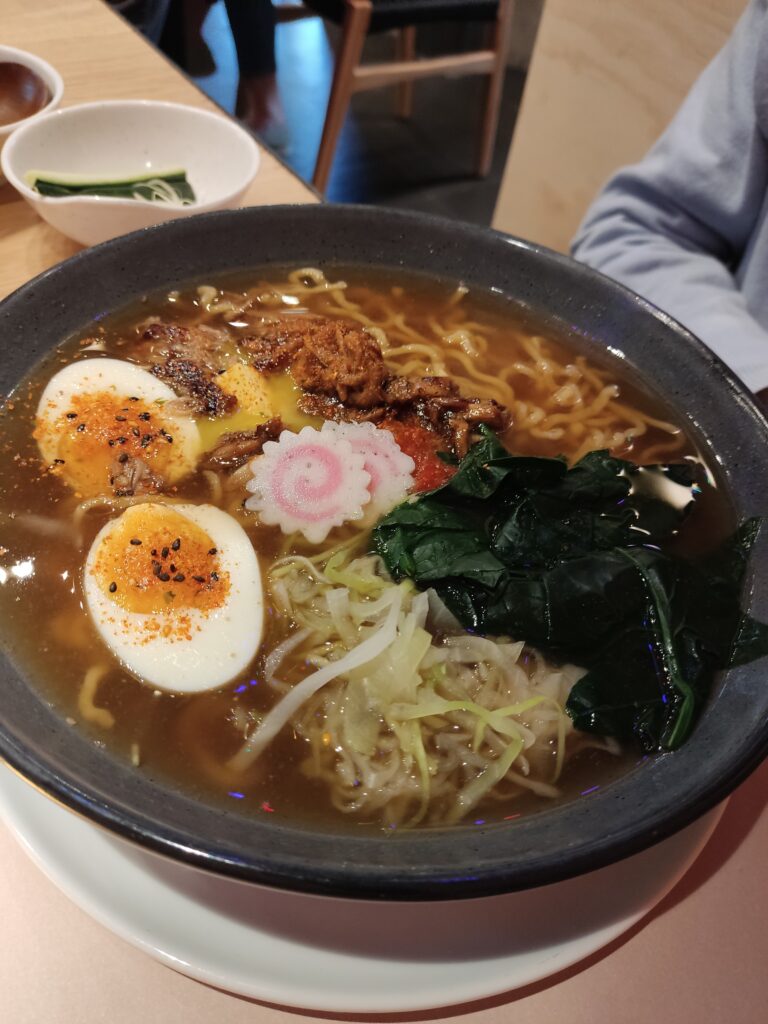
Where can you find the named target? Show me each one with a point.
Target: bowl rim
(49, 75)
(411, 878)
(39, 120)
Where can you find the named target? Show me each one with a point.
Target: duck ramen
(362, 546)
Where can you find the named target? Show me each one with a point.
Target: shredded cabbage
(282, 713)
(406, 719)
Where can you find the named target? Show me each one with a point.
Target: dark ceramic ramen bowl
(622, 818)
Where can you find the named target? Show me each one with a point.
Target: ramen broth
(190, 740)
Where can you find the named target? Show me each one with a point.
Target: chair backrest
(604, 81)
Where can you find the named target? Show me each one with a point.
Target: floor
(421, 164)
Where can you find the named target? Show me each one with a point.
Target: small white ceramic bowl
(44, 71)
(122, 138)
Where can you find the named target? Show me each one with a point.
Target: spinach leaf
(488, 464)
(429, 541)
(570, 560)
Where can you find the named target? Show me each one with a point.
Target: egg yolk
(259, 397)
(156, 561)
(99, 431)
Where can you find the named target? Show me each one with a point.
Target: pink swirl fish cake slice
(309, 483)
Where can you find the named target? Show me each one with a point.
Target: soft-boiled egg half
(175, 592)
(96, 413)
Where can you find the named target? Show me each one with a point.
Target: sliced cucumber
(153, 186)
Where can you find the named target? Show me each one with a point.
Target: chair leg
(406, 50)
(356, 21)
(494, 87)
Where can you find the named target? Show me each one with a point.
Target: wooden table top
(99, 56)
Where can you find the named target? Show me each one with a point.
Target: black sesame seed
(122, 440)
(59, 462)
(176, 544)
(143, 416)
(136, 432)
(120, 419)
(164, 552)
(81, 427)
(171, 567)
(164, 577)
(122, 459)
(213, 551)
(135, 541)
(133, 398)
(215, 577)
(112, 588)
(145, 440)
(154, 552)
(110, 443)
(179, 577)
(199, 579)
(169, 439)
(71, 415)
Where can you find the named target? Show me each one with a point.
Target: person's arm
(675, 226)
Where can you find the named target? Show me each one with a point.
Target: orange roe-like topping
(157, 562)
(422, 445)
(99, 428)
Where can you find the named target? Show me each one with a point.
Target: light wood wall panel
(605, 79)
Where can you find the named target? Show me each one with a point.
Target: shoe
(259, 108)
(275, 134)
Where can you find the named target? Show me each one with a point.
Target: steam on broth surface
(427, 723)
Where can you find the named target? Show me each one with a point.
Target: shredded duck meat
(326, 357)
(342, 371)
(344, 362)
(406, 390)
(130, 475)
(189, 359)
(210, 349)
(277, 342)
(332, 409)
(204, 396)
(235, 449)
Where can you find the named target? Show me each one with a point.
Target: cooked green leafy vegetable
(569, 560)
(154, 186)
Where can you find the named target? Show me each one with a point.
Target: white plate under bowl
(317, 953)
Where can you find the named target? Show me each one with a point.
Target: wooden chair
(359, 17)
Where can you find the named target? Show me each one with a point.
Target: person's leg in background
(253, 28)
(258, 100)
(198, 60)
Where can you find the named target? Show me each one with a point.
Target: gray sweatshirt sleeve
(677, 226)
